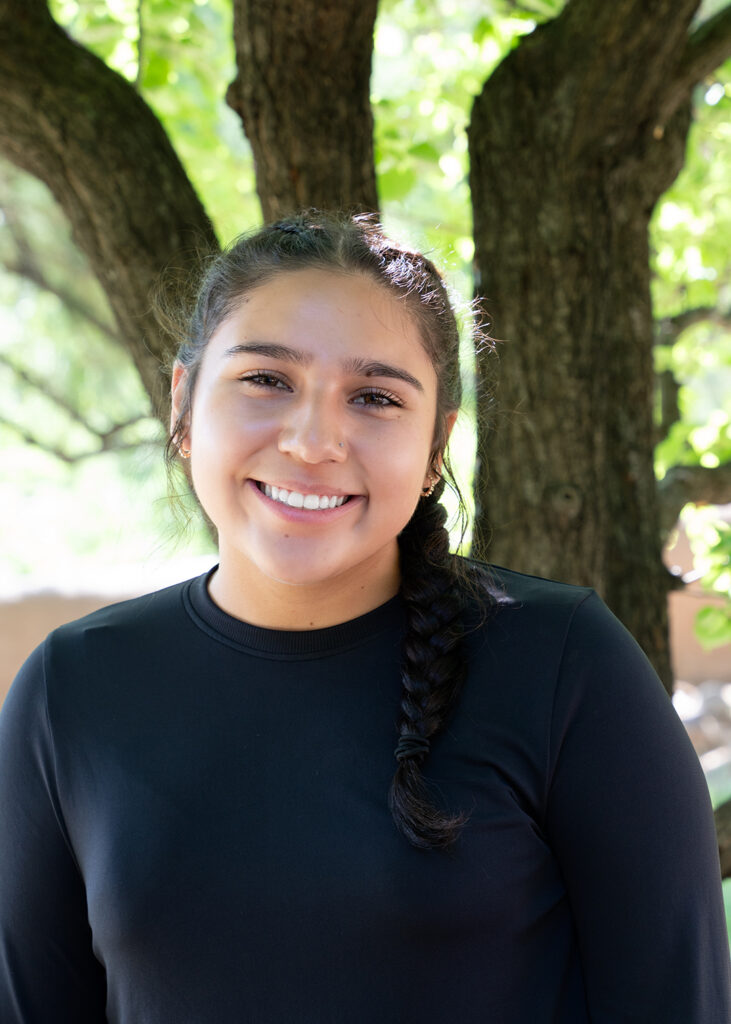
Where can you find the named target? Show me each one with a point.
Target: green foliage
(713, 626)
(76, 384)
(179, 54)
(692, 268)
(692, 224)
(60, 404)
(710, 540)
(430, 61)
(701, 360)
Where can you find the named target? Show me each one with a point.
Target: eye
(378, 398)
(264, 379)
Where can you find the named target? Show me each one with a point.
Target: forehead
(314, 307)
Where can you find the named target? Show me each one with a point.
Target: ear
(177, 393)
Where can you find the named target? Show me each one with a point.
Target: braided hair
(433, 668)
(434, 583)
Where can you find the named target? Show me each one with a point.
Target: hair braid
(433, 670)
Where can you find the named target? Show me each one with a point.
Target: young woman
(346, 777)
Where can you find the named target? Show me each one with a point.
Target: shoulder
(521, 604)
(116, 635)
(585, 621)
(550, 633)
(508, 588)
(135, 615)
(97, 664)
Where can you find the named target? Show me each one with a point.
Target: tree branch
(683, 484)
(669, 389)
(106, 438)
(311, 135)
(669, 328)
(108, 442)
(26, 265)
(33, 273)
(708, 47)
(42, 386)
(66, 118)
(108, 435)
(621, 80)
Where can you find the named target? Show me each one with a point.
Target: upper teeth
(297, 500)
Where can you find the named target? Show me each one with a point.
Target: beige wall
(25, 622)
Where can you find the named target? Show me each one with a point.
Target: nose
(314, 431)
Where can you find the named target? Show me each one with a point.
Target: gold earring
(184, 453)
(426, 492)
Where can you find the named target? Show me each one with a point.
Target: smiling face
(311, 432)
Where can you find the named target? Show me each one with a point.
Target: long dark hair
(435, 584)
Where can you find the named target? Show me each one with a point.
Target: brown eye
(262, 379)
(378, 398)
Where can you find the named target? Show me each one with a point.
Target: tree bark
(302, 92)
(568, 157)
(82, 129)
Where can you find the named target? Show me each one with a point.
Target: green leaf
(483, 30)
(157, 71)
(396, 183)
(713, 626)
(425, 151)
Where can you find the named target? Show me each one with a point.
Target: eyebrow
(355, 365)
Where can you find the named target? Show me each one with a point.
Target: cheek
(221, 442)
(400, 458)
(219, 427)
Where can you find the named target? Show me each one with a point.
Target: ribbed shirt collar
(283, 642)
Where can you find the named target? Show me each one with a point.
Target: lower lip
(306, 515)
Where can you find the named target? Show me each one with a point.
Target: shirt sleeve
(630, 820)
(48, 971)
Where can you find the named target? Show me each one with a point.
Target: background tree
(562, 195)
(579, 126)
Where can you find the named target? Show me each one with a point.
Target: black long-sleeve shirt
(194, 827)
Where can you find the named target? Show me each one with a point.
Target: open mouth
(297, 500)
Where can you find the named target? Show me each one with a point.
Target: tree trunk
(568, 157)
(82, 129)
(302, 92)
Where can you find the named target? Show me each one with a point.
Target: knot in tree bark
(565, 501)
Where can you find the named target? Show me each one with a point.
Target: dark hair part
(434, 582)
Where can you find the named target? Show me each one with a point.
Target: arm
(48, 972)
(629, 818)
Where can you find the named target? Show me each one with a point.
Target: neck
(242, 591)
